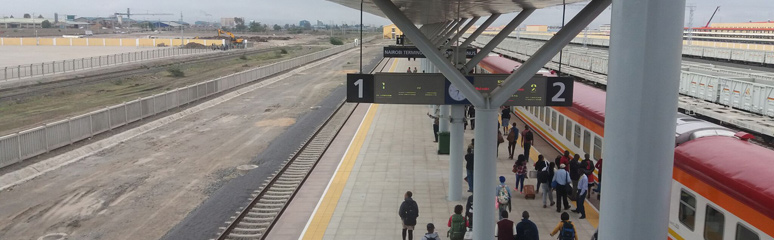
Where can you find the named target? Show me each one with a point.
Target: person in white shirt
(583, 189)
(563, 183)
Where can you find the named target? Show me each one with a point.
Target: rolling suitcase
(529, 191)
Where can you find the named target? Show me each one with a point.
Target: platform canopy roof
(433, 11)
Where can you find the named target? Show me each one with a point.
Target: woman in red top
(520, 168)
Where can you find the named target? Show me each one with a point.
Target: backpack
(502, 196)
(567, 232)
(457, 230)
(429, 238)
(512, 135)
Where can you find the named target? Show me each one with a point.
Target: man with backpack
(565, 228)
(503, 196)
(526, 140)
(408, 212)
(457, 224)
(540, 166)
(588, 168)
(513, 137)
(526, 229)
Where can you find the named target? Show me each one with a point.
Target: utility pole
(37, 41)
(181, 29)
(691, 8)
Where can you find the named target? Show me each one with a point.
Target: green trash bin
(443, 142)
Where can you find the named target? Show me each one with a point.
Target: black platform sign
(409, 88)
(413, 52)
(433, 88)
(360, 88)
(559, 91)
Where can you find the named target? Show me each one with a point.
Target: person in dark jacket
(469, 211)
(504, 227)
(469, 169)
(408, 212)
(540, 165)
(588, 169)
(472, 116)
(526, 229)
(574, 174)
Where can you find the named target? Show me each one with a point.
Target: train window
(569, 130)
(553, 120)
(542, 115)
(586, 141)
(687, 212)
(597, 148)
(561, 124)
(547, 111)
(577, 134)
(713, 224)
(744, 233)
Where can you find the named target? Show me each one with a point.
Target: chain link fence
(65, 66)
(32, 142)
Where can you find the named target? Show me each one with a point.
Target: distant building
(391, 31)
(23, 22)
(305, 24)
(537, 28)
(227, 22)
(748, 27)
(605, 28)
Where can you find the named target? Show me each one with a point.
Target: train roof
(738, 168)
(587, 101)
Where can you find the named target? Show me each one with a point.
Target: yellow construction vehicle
(234, 40)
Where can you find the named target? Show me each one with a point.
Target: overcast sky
(291, 11)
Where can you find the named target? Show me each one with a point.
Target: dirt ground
(141, 188)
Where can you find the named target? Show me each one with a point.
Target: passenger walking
(469, 211)
(575, 175)
(513, 137)
(504, 227)
(503, 195)
(562, 181)
(472, 116)
(582, 191)
(415, 69)
(526, 140)
(469, 168)
(588, 168)
(435, 124)
(409, 70)
(472, 145)
(457, 224)
(540, 165)
(499, 141)
(506, 117)
(431, 234)
(408, 212)
(545, 180)
(599, 177)
(520, 168)
(565, 228)
(565, 160)
(526, 229)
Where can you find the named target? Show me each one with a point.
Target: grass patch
(336, 41)
(175, 72)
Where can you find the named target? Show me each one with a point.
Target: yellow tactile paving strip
(324, 211)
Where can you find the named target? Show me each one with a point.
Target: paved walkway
(391, 153)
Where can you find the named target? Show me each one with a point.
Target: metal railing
(65, 66)
(32, 142)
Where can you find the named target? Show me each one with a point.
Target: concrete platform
(393, 152)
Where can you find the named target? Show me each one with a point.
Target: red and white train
(722, 188)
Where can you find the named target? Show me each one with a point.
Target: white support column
(444, 122)
(480, 29)
(645, 55)
(498, 38)
(456, 152)
(451, 31)
(485, 174)
(462, 31)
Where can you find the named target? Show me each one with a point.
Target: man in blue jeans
(469, 168)
(583, 189)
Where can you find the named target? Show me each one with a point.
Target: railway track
(270, 200)
(46, 87)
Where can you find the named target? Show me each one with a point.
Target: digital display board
(433, 88)
(409, 88)
(531, 94)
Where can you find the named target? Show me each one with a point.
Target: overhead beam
(462, 31)
(431, 53)
(451, 31)
(498, 39)
(548, 51)
(438, 29)
(448, 28)
(480, 30)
